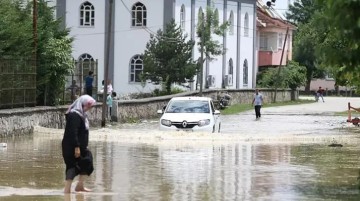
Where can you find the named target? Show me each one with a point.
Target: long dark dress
(76, 135)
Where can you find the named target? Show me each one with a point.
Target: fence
(75, 82)
(17, 83)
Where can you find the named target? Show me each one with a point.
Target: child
(109, 102)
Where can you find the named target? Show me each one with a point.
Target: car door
(216, 117)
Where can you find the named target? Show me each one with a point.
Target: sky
(281, 6)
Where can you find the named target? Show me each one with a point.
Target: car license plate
(185, 129)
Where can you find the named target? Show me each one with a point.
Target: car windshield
(188, 106)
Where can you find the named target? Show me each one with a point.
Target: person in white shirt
(257, 101)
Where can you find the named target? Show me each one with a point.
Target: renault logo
(184, 124)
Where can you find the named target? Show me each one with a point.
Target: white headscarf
(78, 107)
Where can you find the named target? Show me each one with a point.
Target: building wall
(231, 46)
(129, 41)
(247, 45)
(88, 40)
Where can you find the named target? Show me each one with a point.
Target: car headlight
(204, 122)
(165, 122)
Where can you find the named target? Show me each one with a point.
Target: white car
(190, 114)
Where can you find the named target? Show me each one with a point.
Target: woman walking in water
(77, 158)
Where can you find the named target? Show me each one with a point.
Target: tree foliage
(168, 57)
(301, 11)
(15, 30)
(291, 76)
(209, 24)
(53, 48)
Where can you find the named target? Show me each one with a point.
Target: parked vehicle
(190, 114)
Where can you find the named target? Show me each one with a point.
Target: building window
(136, 68)
(245, 72)
(246, 25)
(231, 22)
(231, 66)
(182, 17)
(86, 57)
(263, 42)
(281, 40)
(87, 14)
(138, 15)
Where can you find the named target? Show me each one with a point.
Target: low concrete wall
(23, 120)
(128, 110)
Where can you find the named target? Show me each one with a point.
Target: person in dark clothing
(77, 157)
(89, 83)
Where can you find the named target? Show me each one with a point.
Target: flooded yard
(186, 169)
(283, 156)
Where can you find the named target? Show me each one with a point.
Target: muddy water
(186, 169)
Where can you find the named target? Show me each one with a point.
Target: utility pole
(35, 27)
(202, 55)
(106, 67)
(281, 59)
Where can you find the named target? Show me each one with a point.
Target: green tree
(15, 30)
(340, 49)
(307, 37)
(291, 76)
(208, 24)
(301, 11)
(168, 57)
(54, 56)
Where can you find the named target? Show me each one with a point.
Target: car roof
(192, 98)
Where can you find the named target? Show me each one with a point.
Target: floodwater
(183, 169)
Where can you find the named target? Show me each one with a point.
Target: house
(133, 23)
(271, 32)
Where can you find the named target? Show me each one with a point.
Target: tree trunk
(293, 94)
(307, 86)
(168, 87)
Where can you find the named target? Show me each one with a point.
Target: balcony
(271, 58)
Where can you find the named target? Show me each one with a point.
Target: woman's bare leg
(67, 188)
(80, 185)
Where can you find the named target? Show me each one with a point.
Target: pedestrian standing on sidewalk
(257, 101)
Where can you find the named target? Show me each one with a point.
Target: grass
(235, 109)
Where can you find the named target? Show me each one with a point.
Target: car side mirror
(160, 112)
(217, 112)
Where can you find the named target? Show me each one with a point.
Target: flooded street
(283, 156)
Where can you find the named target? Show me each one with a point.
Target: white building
(134, 21)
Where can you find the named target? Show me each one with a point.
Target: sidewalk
(330, 106)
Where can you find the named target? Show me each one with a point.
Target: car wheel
(219, 127)
(213, 129)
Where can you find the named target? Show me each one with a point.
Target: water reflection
(32, 169)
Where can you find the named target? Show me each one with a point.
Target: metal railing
(17, 83)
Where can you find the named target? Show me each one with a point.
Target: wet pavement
(245, 164)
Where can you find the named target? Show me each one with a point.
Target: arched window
(231, 22)
(231, 66)
(87, 14)
(182, 17)
(136, 68)
(138, 15)
(86, 57)
(246, 25)
(245, 72)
